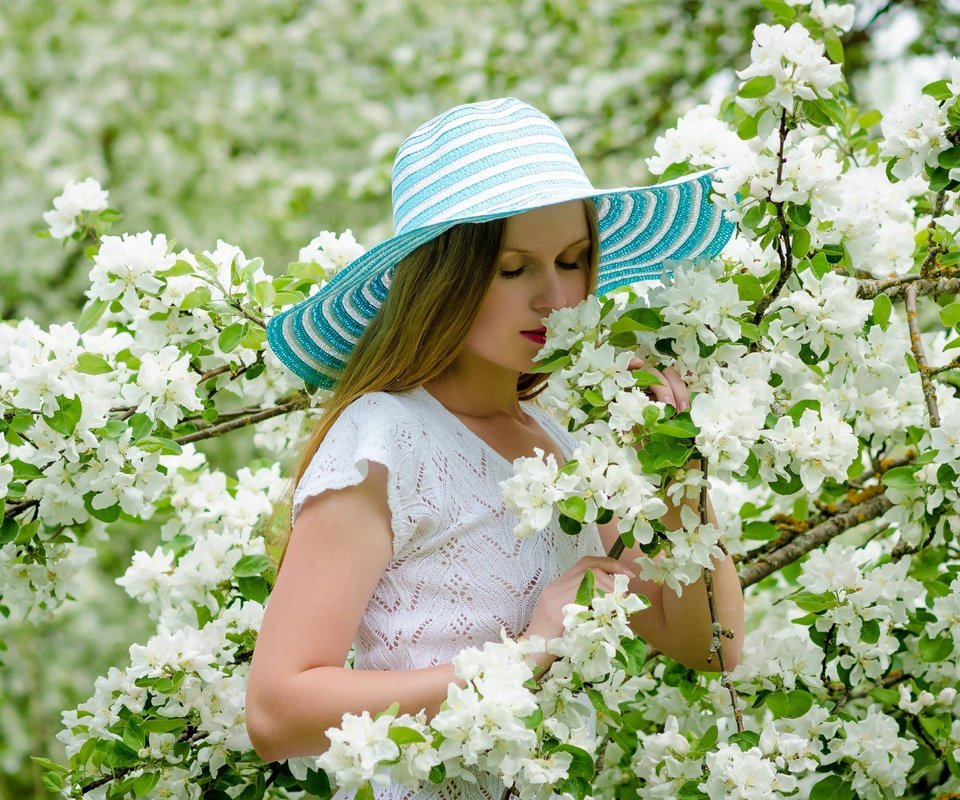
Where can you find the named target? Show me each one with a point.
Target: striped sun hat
(483, 161)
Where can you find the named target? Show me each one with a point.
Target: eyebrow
(521, 251)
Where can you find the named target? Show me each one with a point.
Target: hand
(547, 618)
(671, 389)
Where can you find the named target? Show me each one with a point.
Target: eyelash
(516, 272)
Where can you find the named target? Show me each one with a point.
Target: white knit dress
(458, 574)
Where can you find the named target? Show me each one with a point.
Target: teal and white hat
(484, 161)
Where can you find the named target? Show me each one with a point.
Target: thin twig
(783, 247)
(929, 391)
(241, 422)
(716, 627)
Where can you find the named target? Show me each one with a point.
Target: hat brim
(640, 229)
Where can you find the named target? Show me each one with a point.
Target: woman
(401, 545)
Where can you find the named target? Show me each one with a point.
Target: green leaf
(24, 471)
(799, 215)
(573, 507)
(581, 766)
(558, 360)
(870, 631)
(65, 420)
(748, 287)
(317, 783)
(569, 526)
(364, 792)
(254, 589)
(939, 178)
(587, 588)
(91, 364)
(760, 531)
(747, 129)
(47, 764)
(708, 740)
(870, 118)
(934, 650)
(938, 90)
(796, 411)
(689, 791)
(91, 314)
(950, 158)
(532, 721)
(638, 319)
(950, 314)
(159, 444)
(900, 478)
(251, 565)
(679, 427)
(675, 170)
(814, 602)
(800, 245)
(144, 783)
(833, 787)
(745, 739)
(758, 86)
(231, 336)
(882, 308)
(780, 8)
(833, 46)
(163, 725)
(401, 735)
(790, 705)
(196, 298)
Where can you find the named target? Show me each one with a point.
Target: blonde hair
(441, 285)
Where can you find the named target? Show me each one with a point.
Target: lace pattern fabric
(458, 573)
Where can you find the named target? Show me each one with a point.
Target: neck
(479, 390)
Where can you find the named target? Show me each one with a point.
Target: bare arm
(681, 626)
(297, 686)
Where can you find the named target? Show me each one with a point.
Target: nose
(551, 293)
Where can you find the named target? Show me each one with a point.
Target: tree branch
(813, 538)
(896, 288)
(929, 391)
(241, 422)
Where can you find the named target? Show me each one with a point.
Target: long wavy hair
(434, 297)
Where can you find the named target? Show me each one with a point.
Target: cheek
(575, 287)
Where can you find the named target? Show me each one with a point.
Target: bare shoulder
(339, 548)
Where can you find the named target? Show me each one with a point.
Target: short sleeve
(377, 427)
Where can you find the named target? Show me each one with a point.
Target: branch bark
(813, 538)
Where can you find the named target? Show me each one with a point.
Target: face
(543, 266)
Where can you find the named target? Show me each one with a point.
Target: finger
(662, 392)
(679, 388)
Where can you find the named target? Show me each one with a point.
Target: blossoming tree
(824, 414)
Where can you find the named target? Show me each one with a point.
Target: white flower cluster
(189, 674)
(881, 599)
(331, 251)
(915, 134)
(76, 198)
(879, 756)
(795, 60)
(736, 774)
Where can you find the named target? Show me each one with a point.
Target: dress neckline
(483, 443)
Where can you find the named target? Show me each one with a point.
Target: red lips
(538, 335)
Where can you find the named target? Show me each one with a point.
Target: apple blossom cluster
(795, 65)
(915, 135)
(76, 200)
